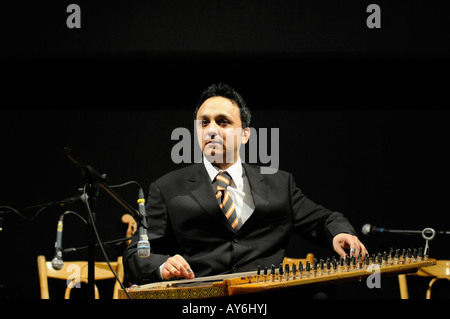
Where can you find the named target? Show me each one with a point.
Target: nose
(211, 130)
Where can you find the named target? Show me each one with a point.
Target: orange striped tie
(223, 179)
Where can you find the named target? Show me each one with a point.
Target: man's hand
(177, 266)
(346, 241)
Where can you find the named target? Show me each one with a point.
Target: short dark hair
(226, 91)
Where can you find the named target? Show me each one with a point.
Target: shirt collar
(234, 170)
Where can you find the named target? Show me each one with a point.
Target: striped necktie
(223, 179)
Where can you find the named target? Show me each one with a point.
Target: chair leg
(43, 281)
(73, 283)
(403, 286)
(430, 285)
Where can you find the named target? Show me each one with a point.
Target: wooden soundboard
(251, 282)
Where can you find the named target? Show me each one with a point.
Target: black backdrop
(362, 113)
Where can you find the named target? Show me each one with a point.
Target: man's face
(219, 131)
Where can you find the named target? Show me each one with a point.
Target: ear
(245, 135)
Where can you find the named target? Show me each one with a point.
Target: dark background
(362, 113)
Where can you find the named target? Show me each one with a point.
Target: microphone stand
(427, 233)
(114, 241)
(92, 192)
(94, 181)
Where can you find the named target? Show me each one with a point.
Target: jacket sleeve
(314, 221)
(142, 270)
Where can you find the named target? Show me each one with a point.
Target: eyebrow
(221, 115)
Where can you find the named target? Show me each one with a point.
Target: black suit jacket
(183, 217)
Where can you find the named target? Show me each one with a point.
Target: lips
(213, 142)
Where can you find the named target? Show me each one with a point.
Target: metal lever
(427, 239)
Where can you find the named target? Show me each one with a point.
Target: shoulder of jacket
(258, 169)
(183, 172)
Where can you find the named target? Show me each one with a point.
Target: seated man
(222, 215)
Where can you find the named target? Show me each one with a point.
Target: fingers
(341, 252)
(355, 246)
(177, 266)
(363, 250)
(346, 241)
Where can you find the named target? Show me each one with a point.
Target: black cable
(76, 214)
(125, 184)
(15, 211)
(103, 249)
(115, 241)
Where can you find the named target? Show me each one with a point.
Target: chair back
(288, 260)
(76, 272)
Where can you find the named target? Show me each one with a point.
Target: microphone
(57, 262)
(72, 200)
(143, 246)
(368, 230)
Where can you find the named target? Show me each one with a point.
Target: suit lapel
(258, 188)
(201, 189)
(259, 194)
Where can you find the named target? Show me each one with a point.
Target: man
(223, 215)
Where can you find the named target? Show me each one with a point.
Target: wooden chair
(132, 225)
(439, 271)
(75, 272)
(290, 261)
